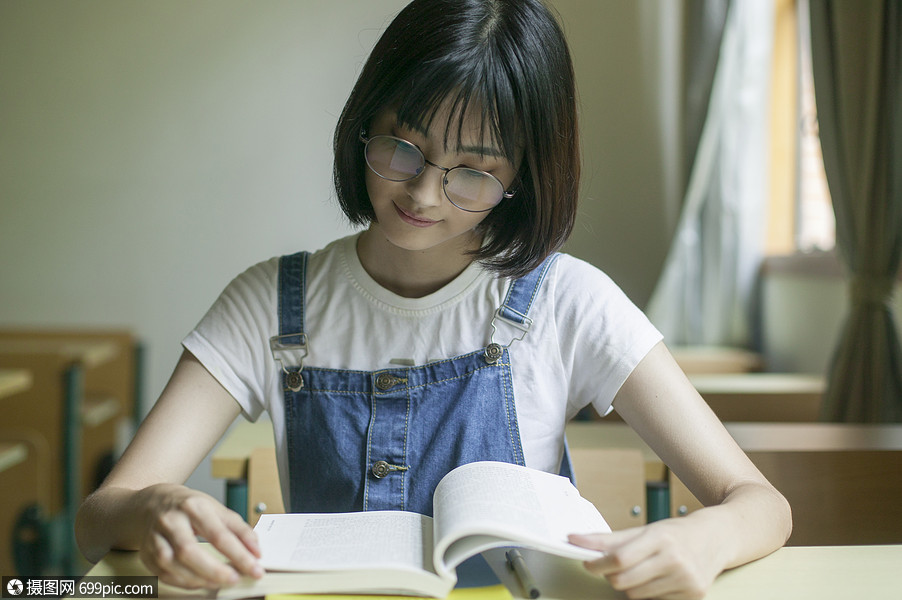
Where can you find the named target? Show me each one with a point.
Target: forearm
(752, 521)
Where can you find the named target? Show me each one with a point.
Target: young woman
(447, 331)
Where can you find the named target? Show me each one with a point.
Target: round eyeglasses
(468, 189)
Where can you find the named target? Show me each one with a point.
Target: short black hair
(508, 59)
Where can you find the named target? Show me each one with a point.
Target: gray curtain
(856, 52)
(704, 24)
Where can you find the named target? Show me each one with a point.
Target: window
(801, 213)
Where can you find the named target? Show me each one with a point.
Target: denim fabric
(382, 440)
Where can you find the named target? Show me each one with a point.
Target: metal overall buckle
(291, 342)
(494, 350)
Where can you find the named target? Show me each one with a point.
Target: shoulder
(574, 279)
(264, 275)
(584, 297)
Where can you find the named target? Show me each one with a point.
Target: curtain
(703, 296)
(704, 24)
(856, 52)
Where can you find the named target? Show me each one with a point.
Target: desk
(13, 381)
(759, 397)
(762, 397)
(69, 416)
(792, 573)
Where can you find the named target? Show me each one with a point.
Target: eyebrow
(477, 150)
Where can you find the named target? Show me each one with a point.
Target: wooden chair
(613, 479)
(264, 494)
(838, 497)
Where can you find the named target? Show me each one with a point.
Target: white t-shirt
(586, 337)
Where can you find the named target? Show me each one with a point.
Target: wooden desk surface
(13, 381)
(759, 384)
(758, 437)
(791, 573)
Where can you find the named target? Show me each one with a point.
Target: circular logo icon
(14, 587)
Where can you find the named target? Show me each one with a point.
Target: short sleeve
(232, 339)
(603, 335)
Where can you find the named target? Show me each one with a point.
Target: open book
(477, 506)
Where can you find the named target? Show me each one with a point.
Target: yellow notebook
(491, 592)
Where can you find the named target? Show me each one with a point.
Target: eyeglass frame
(505, 195)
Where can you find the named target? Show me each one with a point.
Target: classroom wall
(627, 57)
(803, 315)
(149, 151)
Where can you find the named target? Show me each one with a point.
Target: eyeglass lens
(398, 160)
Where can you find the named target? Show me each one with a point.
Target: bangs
(469, 94)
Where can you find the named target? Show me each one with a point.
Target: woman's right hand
(173, 517)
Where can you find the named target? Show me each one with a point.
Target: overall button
(294, 380)
(384, 381)
(493, 352)
(380, 469)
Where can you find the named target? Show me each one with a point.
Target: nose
(426, 188)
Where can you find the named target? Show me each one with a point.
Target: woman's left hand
(666, 559)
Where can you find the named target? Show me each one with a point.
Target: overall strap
(291, 338)
(523, 291)
(514, 310)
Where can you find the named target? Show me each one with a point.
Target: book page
(346, 541)
(496, 502)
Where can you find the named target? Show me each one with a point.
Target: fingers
(229, 534)
(646, 562)
(172, 551)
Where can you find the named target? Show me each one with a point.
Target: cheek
(473, 220)
(379, 189)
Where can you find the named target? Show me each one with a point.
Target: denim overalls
(382, 440)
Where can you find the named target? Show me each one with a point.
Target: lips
(413, 220)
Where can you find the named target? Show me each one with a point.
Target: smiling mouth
(412, 220)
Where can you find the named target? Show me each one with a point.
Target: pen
(518, 565)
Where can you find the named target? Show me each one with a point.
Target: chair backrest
(838, 497)
(264, 495)
(613, 479)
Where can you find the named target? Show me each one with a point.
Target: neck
(414, 273)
